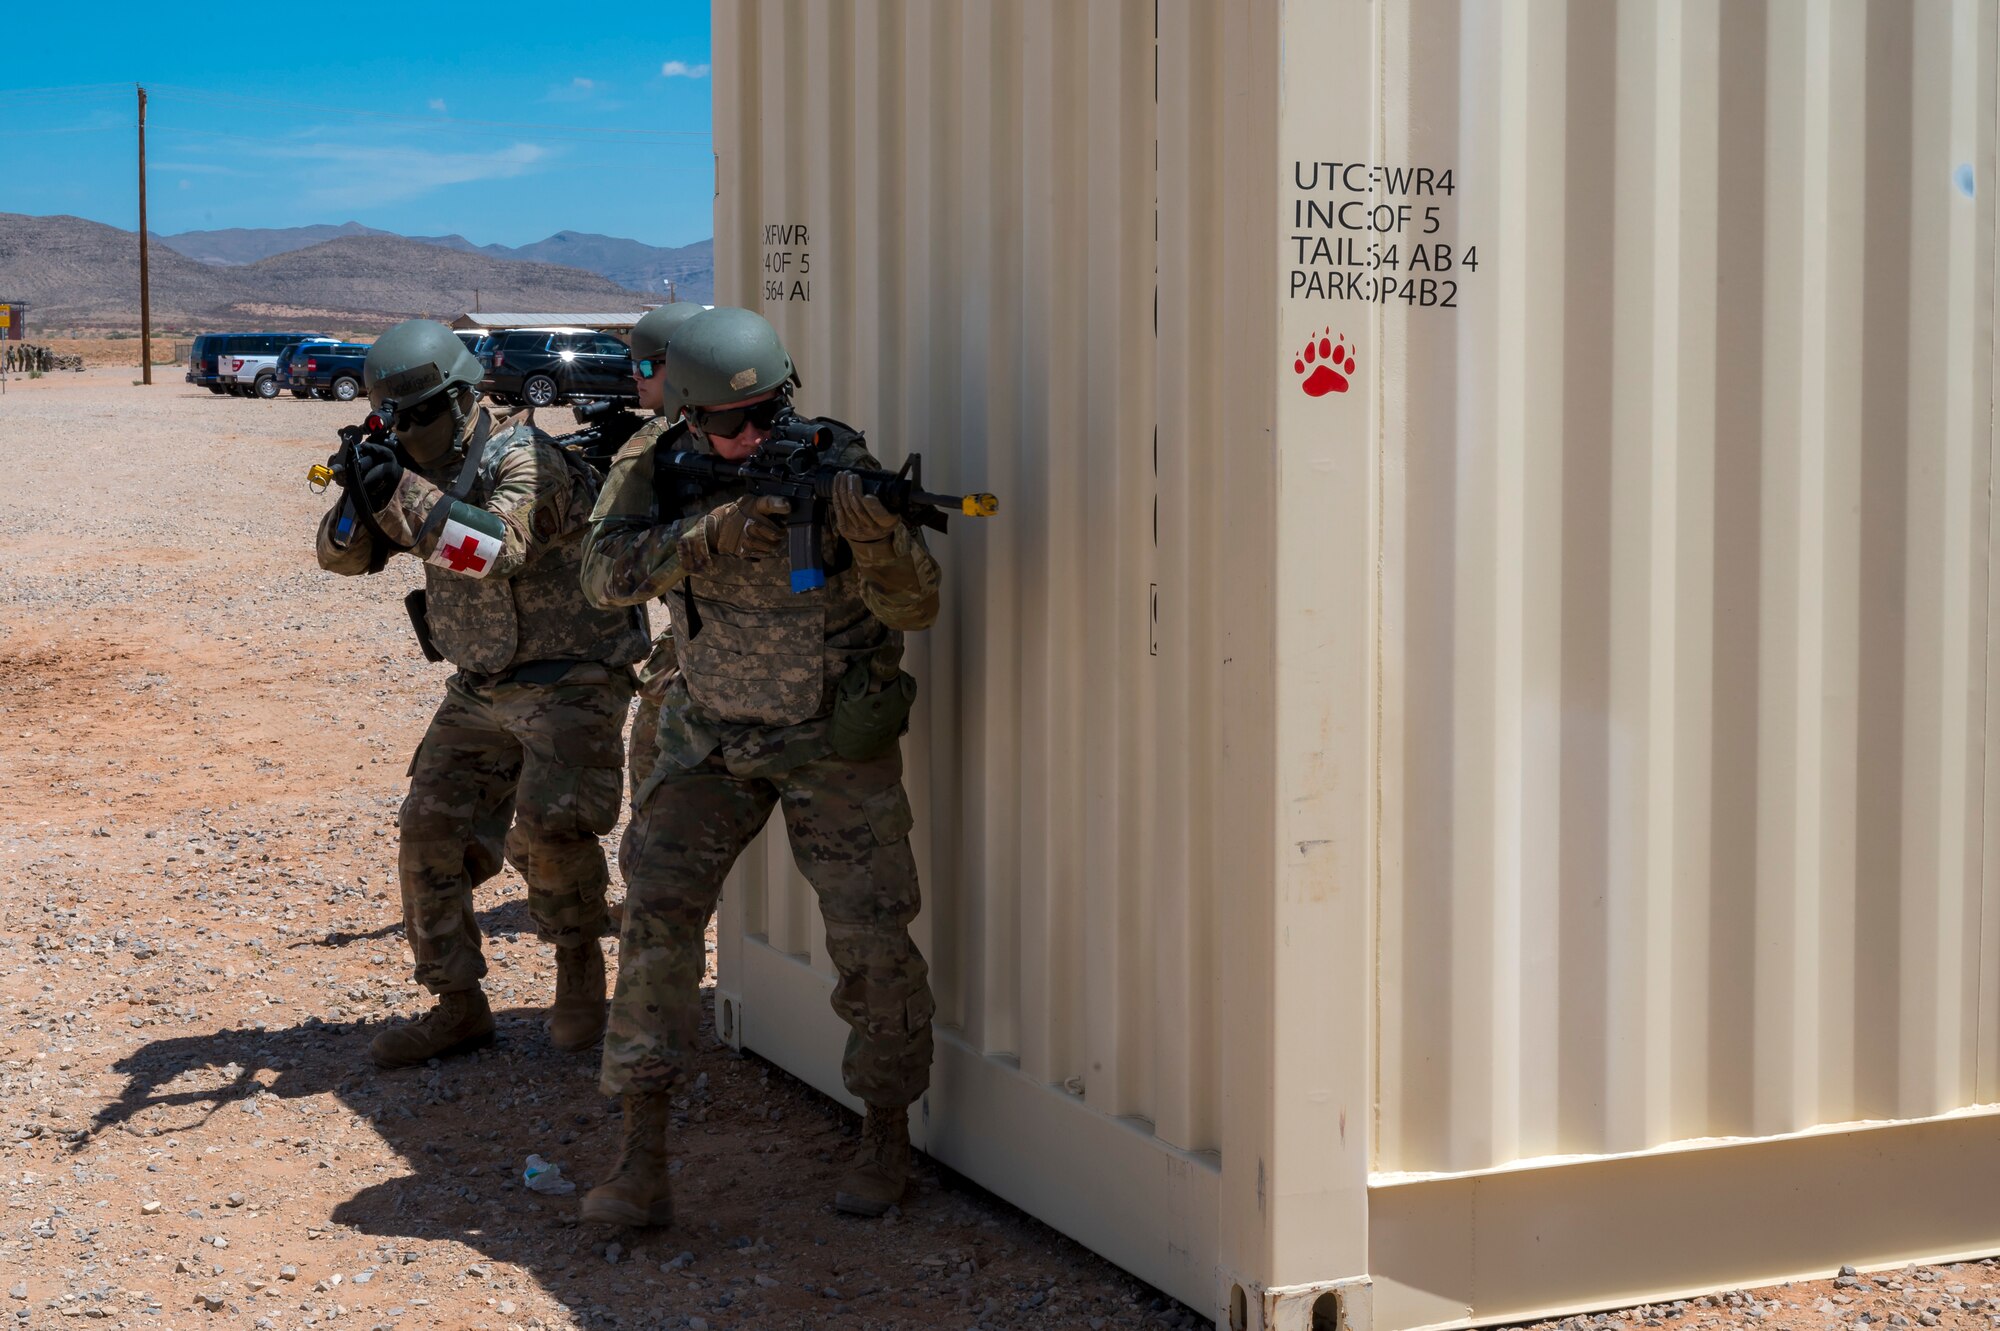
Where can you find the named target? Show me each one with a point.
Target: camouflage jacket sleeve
(348, 560)
(899, 575)
(534, 498)
(632, 552)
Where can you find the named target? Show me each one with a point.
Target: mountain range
(629, 263)
(78, 273)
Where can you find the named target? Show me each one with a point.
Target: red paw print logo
(1325, 364)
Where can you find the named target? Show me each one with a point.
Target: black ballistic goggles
(730, 421)
(426, 411)
(648, 368)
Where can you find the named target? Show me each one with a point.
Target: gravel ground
(202, 746)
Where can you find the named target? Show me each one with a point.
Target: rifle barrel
(979, 505)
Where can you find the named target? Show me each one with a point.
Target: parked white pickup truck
(248, 365)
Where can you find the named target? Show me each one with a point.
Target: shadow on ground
(759, 1155)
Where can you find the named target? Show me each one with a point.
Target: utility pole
(145, 277)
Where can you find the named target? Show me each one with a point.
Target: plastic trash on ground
(544, 1177)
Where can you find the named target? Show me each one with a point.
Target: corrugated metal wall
(1684, 606)
(1000, 280)
(1566, 738)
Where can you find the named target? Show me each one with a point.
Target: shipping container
(1455, 787)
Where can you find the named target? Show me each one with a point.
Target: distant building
(13, 320)
(603, 323)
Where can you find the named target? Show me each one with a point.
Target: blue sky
(500, 122)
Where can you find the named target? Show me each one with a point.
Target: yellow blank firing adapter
(319, 476)
(979, 505)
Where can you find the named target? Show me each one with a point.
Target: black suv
(478, 342)
(327, 369)
(545, 366)
(290, 369)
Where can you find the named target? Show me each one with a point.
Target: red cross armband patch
(470, 542)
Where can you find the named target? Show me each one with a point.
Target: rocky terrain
(202, 748)
(80, 274)
(629, 263)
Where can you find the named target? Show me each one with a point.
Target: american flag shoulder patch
(470, 542)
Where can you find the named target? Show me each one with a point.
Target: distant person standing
(524, 755)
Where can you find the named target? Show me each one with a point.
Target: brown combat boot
(459, 1022)
(637, 1194)
(576, 1018)
(882, 1169)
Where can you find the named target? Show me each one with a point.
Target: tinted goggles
(646, 369)
(731, 421)
(426, 411)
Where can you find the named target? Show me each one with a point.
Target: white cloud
(578, 89)
(353, 176)
(437, 104)
(681, 69)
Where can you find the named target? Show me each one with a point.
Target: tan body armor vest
(488, 625)
(762, 654)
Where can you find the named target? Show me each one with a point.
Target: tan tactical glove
(743, 527)
(859, 517)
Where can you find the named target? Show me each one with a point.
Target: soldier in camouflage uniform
(758, 715)
(523, 757)
(648, 346)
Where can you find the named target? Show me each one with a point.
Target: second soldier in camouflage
(751, 721)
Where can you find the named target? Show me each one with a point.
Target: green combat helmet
(656, 327)
(416, 360)
(725, 355)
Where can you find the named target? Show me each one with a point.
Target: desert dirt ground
(202, 748)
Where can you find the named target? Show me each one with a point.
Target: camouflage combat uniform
(528, 735)
(745, 724)
(626, 484)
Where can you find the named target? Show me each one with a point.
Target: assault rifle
(795, 464)
(340, 470)
(605, 427)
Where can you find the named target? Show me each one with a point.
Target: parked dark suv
(329, 370)
(544, 366)
(479, 342)
(289, 371)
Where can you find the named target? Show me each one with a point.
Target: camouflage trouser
(850, 828)
(541, 759)
(643, 750)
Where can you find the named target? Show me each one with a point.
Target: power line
(606, 131)
(278, 145)
(65, 89)
(62, 129)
